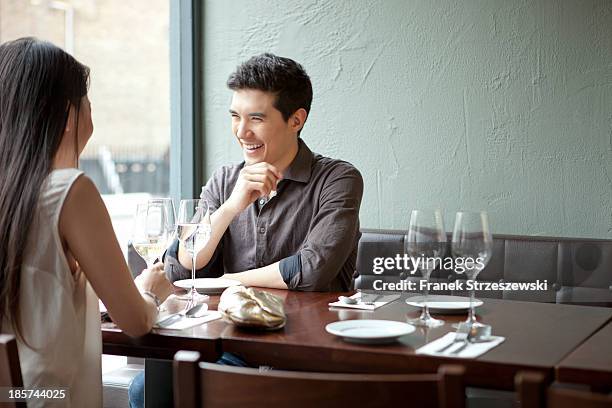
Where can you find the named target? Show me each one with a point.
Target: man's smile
(252, 147)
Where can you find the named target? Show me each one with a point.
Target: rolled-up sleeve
(174, 270)
(334, 231)
(290, 267)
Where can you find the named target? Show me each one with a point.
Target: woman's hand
(154, 280)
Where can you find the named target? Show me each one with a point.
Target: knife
(170, 320)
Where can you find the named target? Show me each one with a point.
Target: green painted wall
(501, 105)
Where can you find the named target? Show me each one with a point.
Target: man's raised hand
(256, 180)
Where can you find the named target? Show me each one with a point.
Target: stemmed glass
(153, 229)
(193, 230)
(170, 213)
(426, 240)
(472, 239)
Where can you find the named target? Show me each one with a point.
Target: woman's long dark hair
(38, 84)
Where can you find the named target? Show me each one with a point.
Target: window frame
(186, 130)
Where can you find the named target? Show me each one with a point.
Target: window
(126, 45)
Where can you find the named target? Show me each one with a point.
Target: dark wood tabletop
(591, 362)
(538, 337)
(164, 343)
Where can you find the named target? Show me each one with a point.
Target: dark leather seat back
(577, 270)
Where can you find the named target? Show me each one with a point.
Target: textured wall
(498, 105)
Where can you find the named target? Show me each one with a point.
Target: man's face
(260, 128)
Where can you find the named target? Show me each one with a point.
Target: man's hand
(254, 181)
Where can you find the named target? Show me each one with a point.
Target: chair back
(10, 370)
(577, 269)
(534, 392)
(215, 386)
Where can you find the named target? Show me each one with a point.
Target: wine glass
(193, 230)
(472, 239)
(426, 241)
(168, 207)
(152, 231)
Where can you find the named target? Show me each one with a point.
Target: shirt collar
(301, 166)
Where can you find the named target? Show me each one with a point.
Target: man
(285, 217)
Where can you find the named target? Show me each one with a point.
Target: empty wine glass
(472, 239)
(152, 230)
(170, 214)
(426, 241)
(193, 230)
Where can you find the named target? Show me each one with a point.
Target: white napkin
(472, 350)
(379, 301)
(188, 322)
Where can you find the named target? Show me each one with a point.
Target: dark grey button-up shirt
(311, 226)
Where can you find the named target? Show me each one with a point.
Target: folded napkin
(188, 322)
(378, 300)
(442, 347)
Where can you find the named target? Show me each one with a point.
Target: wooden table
(591, 362)
(164, 343)
(538, 337)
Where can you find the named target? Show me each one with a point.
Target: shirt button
(262, 201)
(262, 230)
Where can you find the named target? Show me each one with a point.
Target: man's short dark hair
(279, 75)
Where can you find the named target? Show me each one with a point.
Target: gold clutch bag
(248, 307)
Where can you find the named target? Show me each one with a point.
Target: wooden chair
(10, 370)
(534, 392)
(215, 386)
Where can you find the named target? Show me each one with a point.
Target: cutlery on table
(460, 337)
(352, 301)
(192, 312)
(372, 301)
(476, 334)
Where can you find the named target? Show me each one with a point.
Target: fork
(371, 301)
(461, 347)
(191, 312)
(461, 336)
(476, 334)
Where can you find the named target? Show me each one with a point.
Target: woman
(58, 250)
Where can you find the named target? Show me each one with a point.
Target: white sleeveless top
(59, 311)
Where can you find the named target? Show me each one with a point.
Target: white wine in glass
(150, 251)
(151, 231)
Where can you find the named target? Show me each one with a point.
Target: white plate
(369, 331)
(208, 286)
(444, 304)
